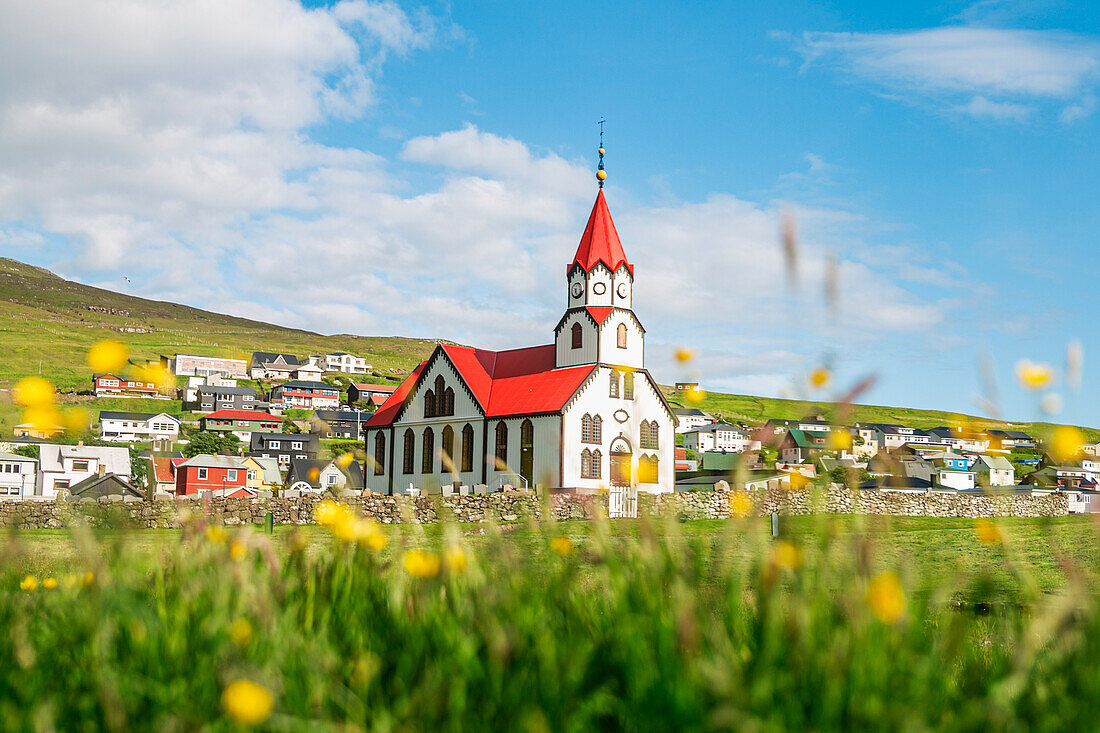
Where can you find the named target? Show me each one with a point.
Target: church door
(527, 454)
(620, 462)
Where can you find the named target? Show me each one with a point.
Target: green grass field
(845, 623)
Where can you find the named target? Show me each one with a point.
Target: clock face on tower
(599, 288)
(576, 290)
(622, 290)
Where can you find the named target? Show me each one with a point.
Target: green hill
(48, 323)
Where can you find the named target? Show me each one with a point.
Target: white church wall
(610, 353)
(547, 449)
(565, 354)
(622, 275)
(464, 403)
(599, 286)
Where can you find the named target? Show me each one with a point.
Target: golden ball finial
(601, 175)
(601, 150)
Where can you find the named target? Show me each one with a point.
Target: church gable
(440, 391)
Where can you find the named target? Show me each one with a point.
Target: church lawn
(929, 552)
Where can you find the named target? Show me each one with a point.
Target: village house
(132, 427)
(34, 430)
(312, 395)
(284, 447)
(691, 417)
(952, 471)
(219, 475)
(579, 414)
(17, 475)
(208, 398)
(112, 385)
(798, 446)
(103, 485)
(311, 475)
(366, 393)
(241, 423)
(189, 365)
(339, 423)
(994, 470)
(341, 361)
(716, 437)
(62, 466)
(1008, 439)
(162, 474)
(310, 371)
(265, 365)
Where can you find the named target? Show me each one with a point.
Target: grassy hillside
(47, 325)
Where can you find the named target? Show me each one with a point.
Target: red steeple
(600, 242)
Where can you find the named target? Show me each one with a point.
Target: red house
(224, 475)
(114, 385)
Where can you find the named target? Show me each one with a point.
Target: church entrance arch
(621, 455)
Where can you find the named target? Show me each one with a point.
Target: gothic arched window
(577, 336)
(643, 434)
(379, 453)
(597, 429)
(597, 464)
(429, 404)
(468, 448)
(620, 336)
(613, 384)
(449, 402)
(654, 441)
(407, 457)
(586, 463)
(586, 428)
(502, 444)
(647, 470)
(527, 452)
(427, 456)
(628, 386)
(448, 448)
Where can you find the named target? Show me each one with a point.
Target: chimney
(102, 469)
(80, 444)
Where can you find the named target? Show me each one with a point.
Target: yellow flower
(76, 420)
(786, 556)
(247, 703)
(740, 504)
(421, 564)
(326, 512)
(840, 440)
(988, 532)
(885, 598)
(455, 559)
(819, 377)
(1033, 375)
(70, 580)
(344, 459)
(694, 396)
(216, 534)
(684, 355)
(370, 535)
(561, 545)
(237, 550)
(33, 392)
(156, 375)
(1066, 442)
(88, 579)
(43, 418)
(28, 583)
(108, 355)
(49, 583)
(241, 632)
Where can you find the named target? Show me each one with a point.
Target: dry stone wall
(519, 506)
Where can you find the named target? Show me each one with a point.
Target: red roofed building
(581, 413)
(241, 423)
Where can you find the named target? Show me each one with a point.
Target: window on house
(620, 336)
(597, 429)
(379, 453)
(501, 445)
(202, 474)
(61, 483)
(628, 385)
(586, 428)
(613, 382)
(468, 448)
(597, 465)
(407, 456)
(643, 434)
(577, 336)
(331, 479)
(647, 470)
(586, 463)
(427, 461)
(448, 457)
(80, 465)
(251, 475)
(231, 474)
(653, 437)
(296, 445)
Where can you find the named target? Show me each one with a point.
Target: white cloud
(994, 69)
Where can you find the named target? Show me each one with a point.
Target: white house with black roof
(138, 427)
(267, 365)
(284, 447)
(691, 417)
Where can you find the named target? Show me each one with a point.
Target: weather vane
(601, 174)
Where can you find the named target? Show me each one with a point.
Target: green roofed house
(994, 471)
(798, 445)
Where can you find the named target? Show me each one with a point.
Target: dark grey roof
(107, 485)
(688, 412)
(341, 415)
(1011, 434)
(266, 357)
(354, 472)
(112, 415)
(311, 440)
(206, 388)
(712, 427)
(306, 469)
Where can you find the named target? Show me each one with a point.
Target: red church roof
(600, 242)
(515, 382)
(599, 313)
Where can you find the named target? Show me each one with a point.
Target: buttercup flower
(819, 377)
(326, 512)
(885, 598)
(684, 355)
(28, 583)
(1066, 442)
(214, 533)
(49, 583)
(786, 556)
(988, 532)
(237, 550)
(1033, 375)
(740, 504)
(241, 632)
(108, 355)
(247, 703)
(33, 392)
(455, 559)
(344, 459)
(421, 564)
(694, 396)
(561, 545)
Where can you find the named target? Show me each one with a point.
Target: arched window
(586, 428)
(439, 385)
(613, 384)
(448, 457)
(597, 429)
(577, 336)
(647, 470)
(643, 434)
(654, 442)
(449, 402)
(502, 444)
(620, 336)
(597, 464)
(628, 386)
(586, 463)
(468, 448)
(407, 457)
(429, 404)
(427, 456)
(379, 453)
(527, 452)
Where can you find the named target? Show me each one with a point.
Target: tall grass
(656, 631)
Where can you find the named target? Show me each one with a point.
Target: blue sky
(425, 170)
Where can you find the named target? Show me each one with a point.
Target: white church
(579, 414)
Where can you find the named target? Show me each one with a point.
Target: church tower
(599, 325)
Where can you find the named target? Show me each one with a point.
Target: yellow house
(31, 430)
(263, 473)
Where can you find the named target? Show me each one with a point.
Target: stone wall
(517, 506)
